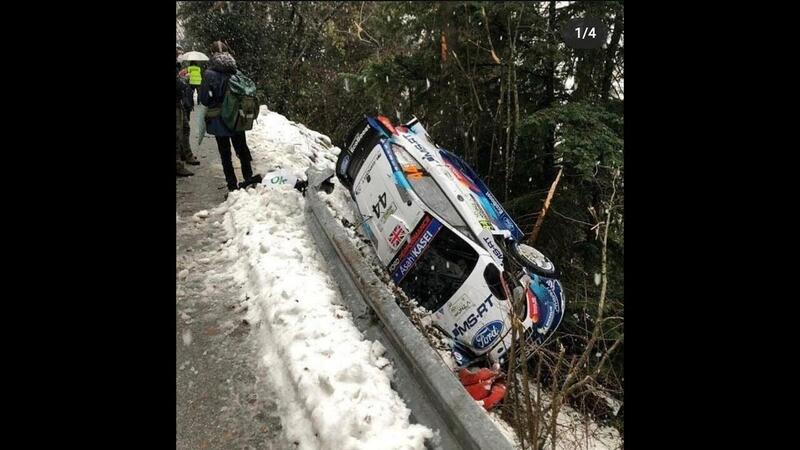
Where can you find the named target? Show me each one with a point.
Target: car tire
(534, 260)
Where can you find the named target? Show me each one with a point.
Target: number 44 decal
(376, 208)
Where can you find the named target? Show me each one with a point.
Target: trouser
(242, 152)
(187, 155)
(181, 137)
(192, 89)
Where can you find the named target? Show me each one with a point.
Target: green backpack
(239, 106)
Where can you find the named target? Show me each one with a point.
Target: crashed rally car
(446, 240)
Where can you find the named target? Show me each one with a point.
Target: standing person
(183, 146)
(195, 78)
(181, 142)
(212, 91)
(188, 106)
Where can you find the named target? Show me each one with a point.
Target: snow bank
(334, 385)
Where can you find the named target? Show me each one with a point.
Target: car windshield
(440, 272)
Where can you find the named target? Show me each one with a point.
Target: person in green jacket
(195, 78)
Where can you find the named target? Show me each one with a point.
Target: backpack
(239, 105)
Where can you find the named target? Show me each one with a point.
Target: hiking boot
(252, 181)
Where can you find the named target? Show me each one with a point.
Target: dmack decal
(416, 250)
(488, 334)
(472, 320)
(426, 155)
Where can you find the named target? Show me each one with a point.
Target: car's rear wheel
(534, 260)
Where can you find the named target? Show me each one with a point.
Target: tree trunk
(611, 56)
(548, 162)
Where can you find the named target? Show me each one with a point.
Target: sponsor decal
(496, 253)
(459, 306)
(472, 319)
(397, 235)
(414, 250)
(278, 179)
(418, 230)
(426, 155)
(483, 219)
(488, 334)
(358, 138)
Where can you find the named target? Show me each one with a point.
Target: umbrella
(200, 114)
(193, 56)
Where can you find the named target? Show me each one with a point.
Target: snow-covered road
(222, 397)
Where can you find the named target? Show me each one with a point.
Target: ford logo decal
(488, 334)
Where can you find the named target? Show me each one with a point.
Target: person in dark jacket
(181, 141)
(182, 149)
(212, 90)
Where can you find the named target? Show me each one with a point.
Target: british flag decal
(397, 235)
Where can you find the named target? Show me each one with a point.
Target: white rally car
(447, 241)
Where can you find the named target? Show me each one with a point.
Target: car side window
(440, 272)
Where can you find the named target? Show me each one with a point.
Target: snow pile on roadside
(277, 142)
(333, 385)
